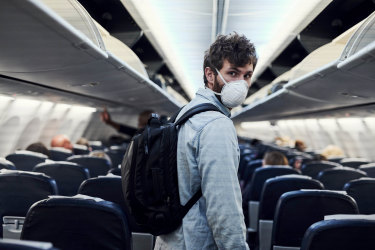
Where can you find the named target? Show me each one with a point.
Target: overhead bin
(325, 81)
(41, 48)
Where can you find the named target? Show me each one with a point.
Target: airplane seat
(272, 190)
(343, 234)
(116, 153)
(96, 165)
(77, 223)
(252, 192)
(26, 160)
(353, 162)
(249, 169)
(68, 175)
(109, 188)
(11, 244)
(335, 159)
(96, 145)
(115, 171)
(18, 191)
(244, 160)
(80, 150)
(335, 178)
(5, 164)
(312, 169)
(296, 211)
(362, 190)
(59, 154)
(369, 169)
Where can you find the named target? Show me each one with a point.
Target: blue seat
(312, 169)
(116, 153)
(5, 164)
(96, 165)
(80, 150)
(369, 169)
(115, 171)
(249, 170)
(26, 160)
(251, 195)
(297, 210)
(335, 178)
(343, 234)
(78, 223)
(59, 154)
(353, 162)
(68, 175)
(363, 192)
(19, 190)
(272, 190)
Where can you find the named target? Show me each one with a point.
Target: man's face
(230, 73)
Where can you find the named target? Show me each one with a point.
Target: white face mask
(233, 93)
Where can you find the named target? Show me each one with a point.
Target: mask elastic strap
(222, 78)
(214, 91)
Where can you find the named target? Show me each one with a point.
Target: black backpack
(149, 175)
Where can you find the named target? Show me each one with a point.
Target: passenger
(122, 128)
(208, 153)
(39, 148)
(275, 158)
(332, 151)
(83, 141)
(61, 141)
(300, 145)
(101, 154)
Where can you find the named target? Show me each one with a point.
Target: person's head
(230, 58)
(39, 148)
(299, 145)
(143, 118)
(61, 141)
(275, 158)
(83, 141)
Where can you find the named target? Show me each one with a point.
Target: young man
(208, 153)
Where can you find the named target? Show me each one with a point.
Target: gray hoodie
(208, 157)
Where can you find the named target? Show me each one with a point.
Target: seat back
(297, 210)
(369, 169)
(96, 165)
(59, 154)
(362, 190)
(249, 169)
(353, 162)
(26, 160)
(80, 149)
(344, 234)
(116, 153)
(312, 169)
(335, 178)
(260, 176)
(272, 190)
(19, 190)
(68, 175)
(115, 171)
(275, 187)
(77, 223)
(5, 164)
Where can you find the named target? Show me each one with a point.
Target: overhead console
(335, 80)
(54, 49)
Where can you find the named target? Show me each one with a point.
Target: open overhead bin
(56, 45)
(325, 81)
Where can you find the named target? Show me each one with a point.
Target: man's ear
(210, 76)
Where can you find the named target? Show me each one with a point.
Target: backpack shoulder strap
(196, 110)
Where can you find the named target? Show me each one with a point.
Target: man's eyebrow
(236, 69)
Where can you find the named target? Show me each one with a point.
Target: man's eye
(232, 73)
(248, 76)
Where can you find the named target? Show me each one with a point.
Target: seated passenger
(83, 141)
(274, 158)
(101, 154)
(39, 148)
(332, 151)
(142, 121)
(300, 145)
(61, 141)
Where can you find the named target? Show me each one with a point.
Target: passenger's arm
(106, 118)
(218, 164)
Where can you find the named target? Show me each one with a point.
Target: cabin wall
(25, 121)
(355, 136)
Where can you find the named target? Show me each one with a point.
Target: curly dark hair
(237, 49)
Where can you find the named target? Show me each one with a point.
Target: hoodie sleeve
(218, 159)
